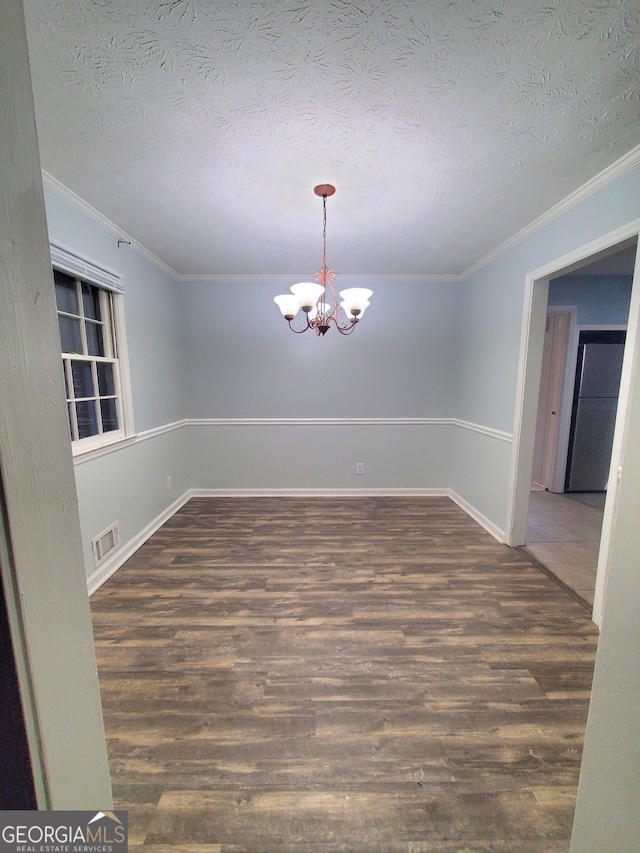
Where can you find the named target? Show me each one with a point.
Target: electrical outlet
(359, 467)
(169, 484)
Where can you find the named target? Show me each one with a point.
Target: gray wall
(599, 299)
(241, 361)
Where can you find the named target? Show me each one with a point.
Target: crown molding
(55, 186)
(284, 280)
(628, 161)
(346, 280)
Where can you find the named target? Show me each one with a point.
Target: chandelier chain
(324, 233)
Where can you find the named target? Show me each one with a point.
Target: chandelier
(312, 296)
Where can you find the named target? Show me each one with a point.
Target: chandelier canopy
(317, 299)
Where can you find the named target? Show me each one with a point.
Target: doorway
(548, 290)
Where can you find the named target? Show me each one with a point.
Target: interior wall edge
(479, 517)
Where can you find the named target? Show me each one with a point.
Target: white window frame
(111, 295)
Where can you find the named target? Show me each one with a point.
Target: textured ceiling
(200, 127)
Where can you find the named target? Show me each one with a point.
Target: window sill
(86, 454)
(122, 441)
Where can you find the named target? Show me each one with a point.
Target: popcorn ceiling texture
(200, 128)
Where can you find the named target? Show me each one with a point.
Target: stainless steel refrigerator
(595, 404)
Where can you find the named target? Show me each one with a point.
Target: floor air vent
(105, 543)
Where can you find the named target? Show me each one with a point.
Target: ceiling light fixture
(312, 297)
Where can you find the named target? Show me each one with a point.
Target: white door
(554, 357)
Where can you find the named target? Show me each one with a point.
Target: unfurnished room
(320, 390)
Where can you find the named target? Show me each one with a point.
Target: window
(91, 357)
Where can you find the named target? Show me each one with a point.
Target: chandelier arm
(303, 329)
(345, 330)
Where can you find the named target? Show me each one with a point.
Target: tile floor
(563, 534)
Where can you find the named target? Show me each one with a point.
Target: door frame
(528, 385)
(41, 561)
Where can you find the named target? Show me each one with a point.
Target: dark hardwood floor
(365, 675)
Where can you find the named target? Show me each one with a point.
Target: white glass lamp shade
(320, 308)
(288, 304)
(307, 294)
(355, 300)
(347, 310)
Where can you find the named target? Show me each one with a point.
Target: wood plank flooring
(370, 675)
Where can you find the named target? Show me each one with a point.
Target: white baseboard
(111, 565)
(476, 515)
(317, 493)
